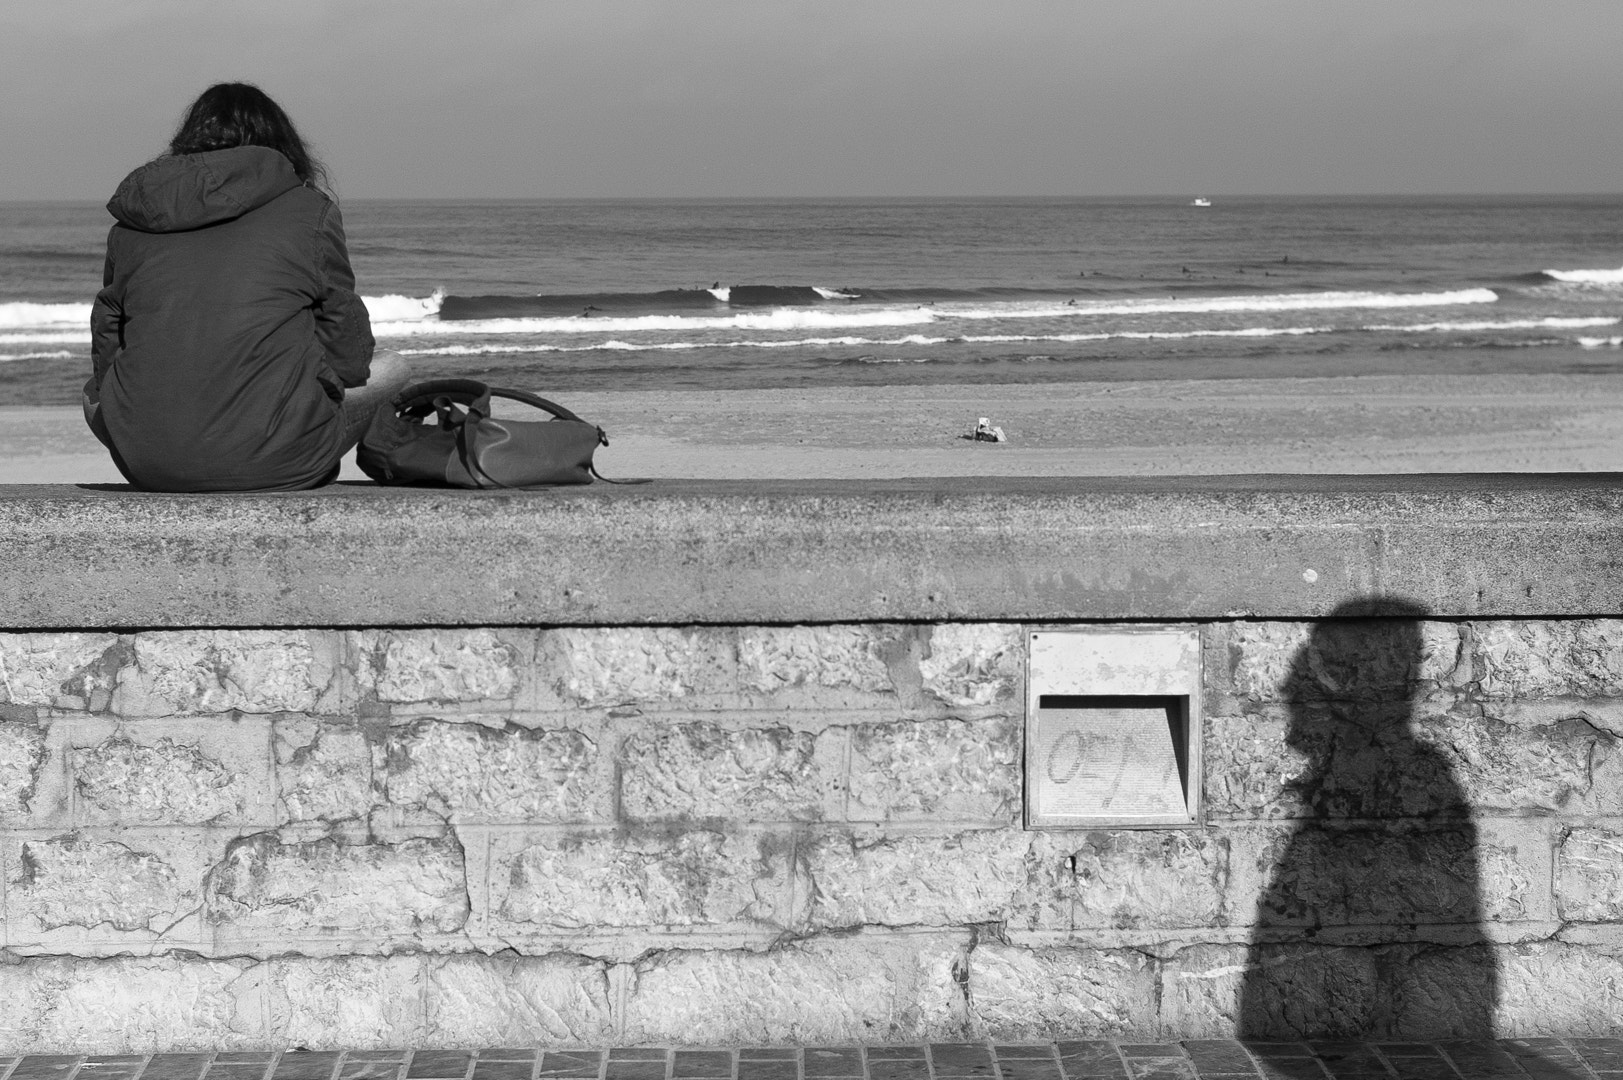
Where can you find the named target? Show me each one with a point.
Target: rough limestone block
(179, 672)
(1322, 875)
(973, 664)
(516, 1001)
(855, 989)
(817, 666)
(353, 1003)
(705, 771)
(1589, 875)
(130, 1006)
(936, 770)
(440, 667)
(470, 773)
(1442, 992)
(96, 894)
(1163, 879)
(1253, 771)
(643, 666)
(364, 897)
(1030, 994)
(170, 772)
(1273, 992)
(1286, 991)
(63, 671)
(1351, 760)
(1518, 768)
(1202, 987)
(22, 757)
(1555, 658)
(1515, 865)
(1548, 987)
(323, 770)
(973, 877)
(1352, 660)
(638, 879)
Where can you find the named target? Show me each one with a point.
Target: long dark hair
(241, 114)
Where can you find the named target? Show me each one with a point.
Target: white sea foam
(26, 315)
(1325, 301)
(1551, 323)
(720, 292)
(834, 294)
(60, 354)
(1601, 342)
(48, 337)
(393, 308)
(617, 345)
(776, 319)
(1588, 277)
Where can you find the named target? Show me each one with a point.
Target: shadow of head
(1356, 670)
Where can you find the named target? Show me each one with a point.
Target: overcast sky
(503, 98)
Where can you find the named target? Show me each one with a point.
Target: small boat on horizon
(1199, 201)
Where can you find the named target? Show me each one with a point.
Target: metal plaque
(1112, 727)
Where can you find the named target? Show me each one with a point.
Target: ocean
(567, 295)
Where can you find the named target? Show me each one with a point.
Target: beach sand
(1364, 424)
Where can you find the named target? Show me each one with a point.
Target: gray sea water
(576, 295)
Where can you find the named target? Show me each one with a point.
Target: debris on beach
(985, 432)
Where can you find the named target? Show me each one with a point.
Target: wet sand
(1363, 424)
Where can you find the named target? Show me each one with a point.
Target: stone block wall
(788, 834)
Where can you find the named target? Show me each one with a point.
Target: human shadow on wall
(1370, 922)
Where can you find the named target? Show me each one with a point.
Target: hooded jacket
(227, 326)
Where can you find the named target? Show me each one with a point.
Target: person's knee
(388, 366)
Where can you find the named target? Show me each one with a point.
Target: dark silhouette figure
(1370, 923)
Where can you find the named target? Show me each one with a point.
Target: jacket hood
(188, 191)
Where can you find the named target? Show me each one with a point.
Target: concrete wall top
(816, 551)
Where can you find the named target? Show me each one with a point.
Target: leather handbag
(440, 433)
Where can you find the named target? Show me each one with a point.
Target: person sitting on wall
(229, 349)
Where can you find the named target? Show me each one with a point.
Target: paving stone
(509, 1053)
(437, 1064)
(572, 1064)
(1421, 1068)
(238, 1071)
(1272, 1051)
(768, 1053)
(1600, 1054)
(833, 1061)
(502, 1070)
(753, 1069)
(1091, 1059)
(1408, 1050)
(896, 1053)
(175, 1067)
(45, 1066)
(1293, 1069)
(373, 1070)
(239, 1057)
(1160, 1069)
(305, 1065)
(634, 1069)
(637, 1053)
(1037, 1051)
(379, 1055)
(1028, 1069)
(961, 1059)
(702, 1063)
(895, 1069)
(1480, 1060)
(1219, 1056)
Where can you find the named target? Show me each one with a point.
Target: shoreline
(1345, 424)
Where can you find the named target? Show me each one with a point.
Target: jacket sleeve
(106, 323)
(342, 324)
